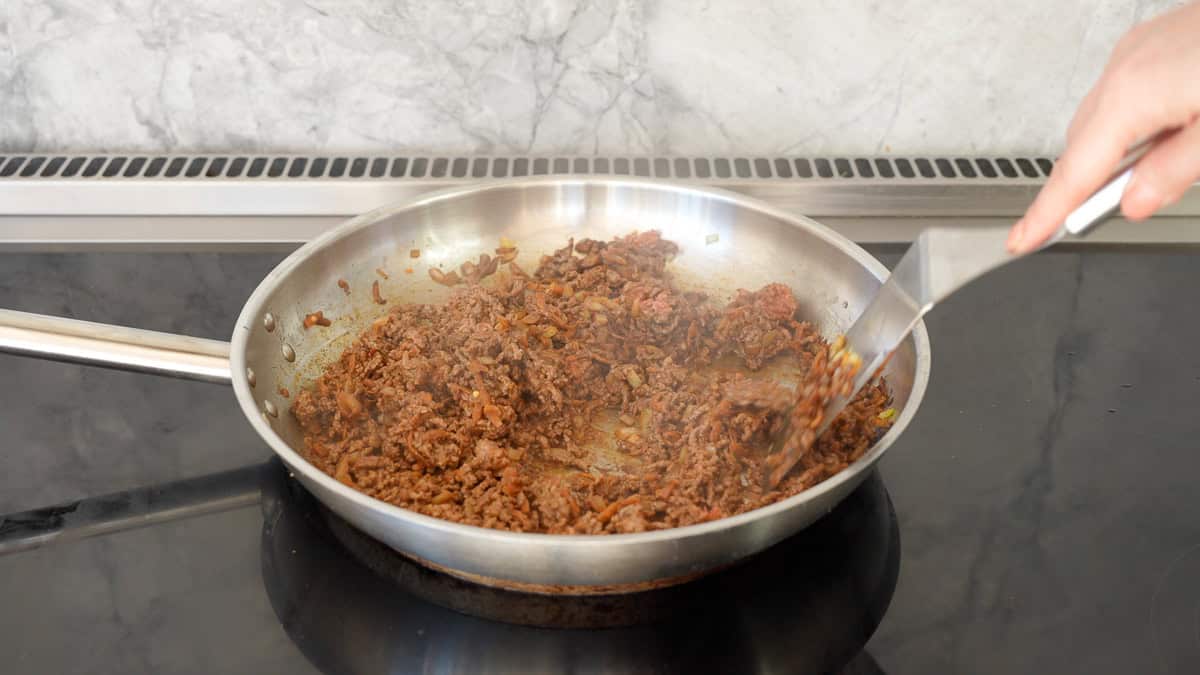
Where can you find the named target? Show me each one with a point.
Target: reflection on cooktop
(807, 605)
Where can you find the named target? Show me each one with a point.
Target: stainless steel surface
(1104, 202)
(1107, 201)
(278, 234)
(303, 198)
(1095, 210)
(941, 261)
(184, 204)
(753, 244)
(205, 185)
(142, 351)
(178, 168)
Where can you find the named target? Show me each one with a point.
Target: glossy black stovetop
(352, 605)
(1045, 495)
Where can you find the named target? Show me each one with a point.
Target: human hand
(1151, 85)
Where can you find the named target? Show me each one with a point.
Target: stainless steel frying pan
(727, 242)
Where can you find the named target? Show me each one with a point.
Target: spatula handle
(1104, 202)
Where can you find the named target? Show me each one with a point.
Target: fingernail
(1143, 197)
(1016, 236)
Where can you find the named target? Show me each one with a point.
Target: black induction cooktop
(1046, 496)
(353, 605)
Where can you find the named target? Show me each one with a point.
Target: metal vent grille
(426, 168)
(102, 202)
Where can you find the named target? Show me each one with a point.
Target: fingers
(1083, 115)
(1088, 161)
(1132, 40)
(1148, 86)
(1087, 107)
(1164, 174)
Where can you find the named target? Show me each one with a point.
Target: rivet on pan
(250, 377)
(289, 354)
(271, 409)
(269, 321)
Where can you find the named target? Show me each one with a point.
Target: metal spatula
(939, 262)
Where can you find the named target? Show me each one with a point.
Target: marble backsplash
(551, 76)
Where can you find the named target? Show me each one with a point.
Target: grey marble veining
(551, 76)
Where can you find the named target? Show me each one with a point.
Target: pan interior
(725, 244)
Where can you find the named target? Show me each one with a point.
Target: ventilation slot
(11, 166)
(53, 166)
(465, 168)
(114, 167)
(93, 167)
(32, 166)
(135, 167)
(72, 167)
(175, 167)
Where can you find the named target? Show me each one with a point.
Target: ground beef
(591, 396)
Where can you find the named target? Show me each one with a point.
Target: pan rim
(296, 462)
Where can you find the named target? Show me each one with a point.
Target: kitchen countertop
(1046, 492)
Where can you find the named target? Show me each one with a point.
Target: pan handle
(143, 351)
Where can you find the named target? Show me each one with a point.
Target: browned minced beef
(484, 410)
